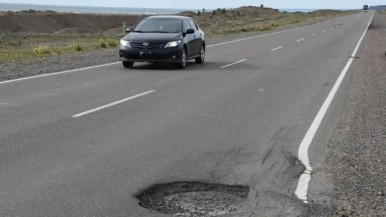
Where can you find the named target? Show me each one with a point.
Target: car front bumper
(150, 55)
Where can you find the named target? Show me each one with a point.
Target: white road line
(233, 64)
(57, 73)
(277, 48)
(112, 104)
(303, 184)
(299, 40)
(314, 35)
(324, 30)
(331, 28)
(258, 36)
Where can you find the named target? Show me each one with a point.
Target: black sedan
(163, 39)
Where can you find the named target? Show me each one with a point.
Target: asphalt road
(237, 119)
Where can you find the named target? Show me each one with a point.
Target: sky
(211, 4)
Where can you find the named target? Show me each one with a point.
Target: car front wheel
(183, 60)
(201, 58)
(128, 64)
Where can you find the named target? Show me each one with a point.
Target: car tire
(201, 58)
(128, 64)
(183, 59)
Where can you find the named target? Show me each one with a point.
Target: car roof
(169, 16)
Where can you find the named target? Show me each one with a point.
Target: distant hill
(63, 23)
(378, 8)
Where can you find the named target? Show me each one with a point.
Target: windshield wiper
(138, 31)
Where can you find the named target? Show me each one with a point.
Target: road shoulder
(358, 144)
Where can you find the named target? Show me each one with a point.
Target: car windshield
(160, 26)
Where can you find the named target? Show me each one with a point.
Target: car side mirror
(129, 30)
(190, 31)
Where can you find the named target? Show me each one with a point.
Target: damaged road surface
(217, 139)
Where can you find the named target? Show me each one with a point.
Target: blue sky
(298, 4)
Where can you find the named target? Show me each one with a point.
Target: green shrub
(112, 42)
(102, 44)
(265, 28)
(14, 43)
(76, 47)
(41, 50)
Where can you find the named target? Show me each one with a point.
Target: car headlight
(173, 44)
(125, 43)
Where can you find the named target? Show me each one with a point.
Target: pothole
(193, 199)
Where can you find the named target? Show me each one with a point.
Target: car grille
(142, 45)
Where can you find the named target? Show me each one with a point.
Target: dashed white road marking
(324, 30)
(314, 35)
(299, 40)
(112, 104)
(226, 66)
(277, 48)
(258, 36)
(304, 180)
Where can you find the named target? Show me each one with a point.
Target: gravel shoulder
(357, 148)
(51, 64)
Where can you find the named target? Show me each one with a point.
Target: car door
(189, 39)
(197, 41)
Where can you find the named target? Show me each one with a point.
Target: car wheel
(201, 59)
(183, 60)
(128, 64)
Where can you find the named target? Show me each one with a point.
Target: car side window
(193, 24)
(186, 25)
(196, 25)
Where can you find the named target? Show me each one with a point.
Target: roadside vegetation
(19, 46)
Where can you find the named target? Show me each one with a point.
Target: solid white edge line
(233, 64)
(299, 40)
(112, 104)
(303, 183)
(56, 73)
(277, 48)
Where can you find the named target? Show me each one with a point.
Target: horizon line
(178, 8)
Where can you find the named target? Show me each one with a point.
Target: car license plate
(144, 54)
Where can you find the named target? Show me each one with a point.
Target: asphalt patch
(193, 198)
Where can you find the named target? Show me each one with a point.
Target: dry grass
(17, 48)
(249, 19)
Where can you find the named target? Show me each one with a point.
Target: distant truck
(365, 8)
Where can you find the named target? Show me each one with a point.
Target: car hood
(152, 37)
